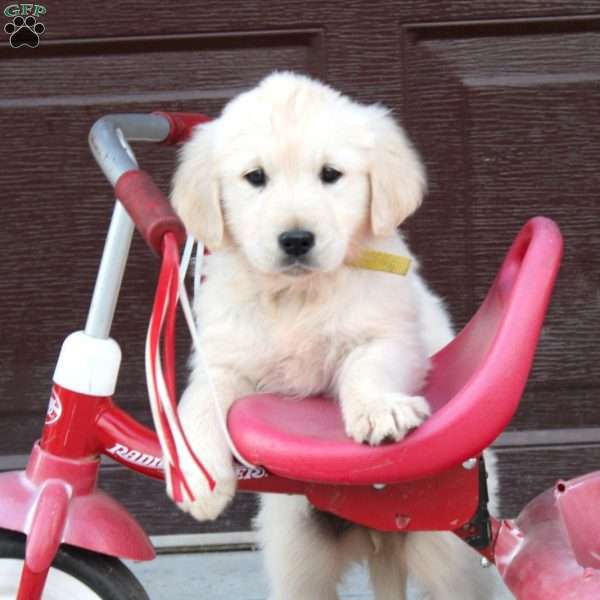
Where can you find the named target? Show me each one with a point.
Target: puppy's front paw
(207, 504)
(388, 417)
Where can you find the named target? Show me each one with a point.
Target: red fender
(56, 501)
(552, 550)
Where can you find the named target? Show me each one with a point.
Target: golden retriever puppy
(287, 188)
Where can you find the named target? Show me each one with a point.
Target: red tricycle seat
(474, 389)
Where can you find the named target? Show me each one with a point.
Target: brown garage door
(502, 103)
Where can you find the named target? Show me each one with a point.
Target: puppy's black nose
(296, 242)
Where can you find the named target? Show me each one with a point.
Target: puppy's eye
(329, 174)
(256, 177)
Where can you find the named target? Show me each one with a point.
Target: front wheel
(75, 574)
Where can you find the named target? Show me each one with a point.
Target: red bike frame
(65, 465)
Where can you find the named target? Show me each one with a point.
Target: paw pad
(24, 32)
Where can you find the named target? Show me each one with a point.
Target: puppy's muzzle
(296, 242)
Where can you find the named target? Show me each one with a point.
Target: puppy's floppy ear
(397, 176)
(195, 189)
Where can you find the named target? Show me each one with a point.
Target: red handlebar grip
(149, 209)
(181, 125)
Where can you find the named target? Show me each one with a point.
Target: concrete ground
(233, 575)
(230, 575)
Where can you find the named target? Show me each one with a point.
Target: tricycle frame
(56, 499)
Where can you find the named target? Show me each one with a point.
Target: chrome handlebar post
(108, 140)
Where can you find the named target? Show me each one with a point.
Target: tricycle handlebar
(145, 203)
(109, 136)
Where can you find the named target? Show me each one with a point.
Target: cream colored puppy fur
(271, 322)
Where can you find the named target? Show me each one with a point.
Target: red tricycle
(62, 537)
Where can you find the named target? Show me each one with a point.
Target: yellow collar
(375, 260)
